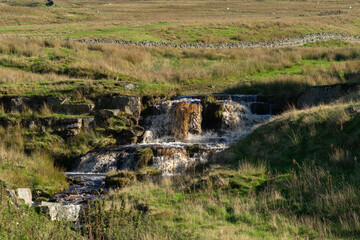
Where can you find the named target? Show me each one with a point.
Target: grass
(33, 171)
(62, 68)
(209, 21)
(24, 223)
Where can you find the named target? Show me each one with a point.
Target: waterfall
(175, 132)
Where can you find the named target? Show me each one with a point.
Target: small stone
(32, 125)
(131, 86)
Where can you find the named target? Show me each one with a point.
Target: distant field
(178, 21)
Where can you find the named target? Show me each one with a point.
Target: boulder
(143, 157)
(126, 136)
(120, 179)
(62, 105)
(58, 211)
(108, 113)
(69, 126)
(76, 108)
(87, 123)
(19, 104)
(126, 104)
(353, 110)
(25, 194)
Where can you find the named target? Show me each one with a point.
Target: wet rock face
(99, 162)
(186, 119)
(212, 113)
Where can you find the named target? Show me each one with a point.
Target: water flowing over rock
(174, 133)
(186, 119)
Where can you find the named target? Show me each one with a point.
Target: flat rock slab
(58, 211)
(25, 194)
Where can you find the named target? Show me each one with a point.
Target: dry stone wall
(285, 42)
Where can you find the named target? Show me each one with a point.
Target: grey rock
(12, 195)
(131, 86)
(109, 113)
(87, 123)
(57, 211)
(32, 125)
(19, 104)
(25, 194)
(126, 104)
(62, 105)
(353, 110)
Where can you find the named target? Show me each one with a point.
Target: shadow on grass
(280, 90)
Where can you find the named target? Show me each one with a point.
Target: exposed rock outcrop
(126, 104)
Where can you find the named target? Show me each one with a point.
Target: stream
(178, 138)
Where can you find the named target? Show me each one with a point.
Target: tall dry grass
(22, 170)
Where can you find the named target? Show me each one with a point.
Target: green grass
(24, 223)
(62, 68)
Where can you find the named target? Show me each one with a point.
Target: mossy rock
(212, 113)
(41, 199)
(40, 193)
(243, 183)
(147, 174)
(143, 157)
(120, 179)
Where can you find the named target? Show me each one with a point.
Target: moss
(120, 179)
(212, 113)
(147, 173)
(143, 157)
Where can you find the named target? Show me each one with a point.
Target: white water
(171, 140)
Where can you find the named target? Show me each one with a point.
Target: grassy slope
(49, 67)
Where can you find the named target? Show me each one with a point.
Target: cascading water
(176, 136)
(175, 132)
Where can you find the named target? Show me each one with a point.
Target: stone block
(25, 194)
(58, 211)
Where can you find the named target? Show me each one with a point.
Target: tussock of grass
(33, 171)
